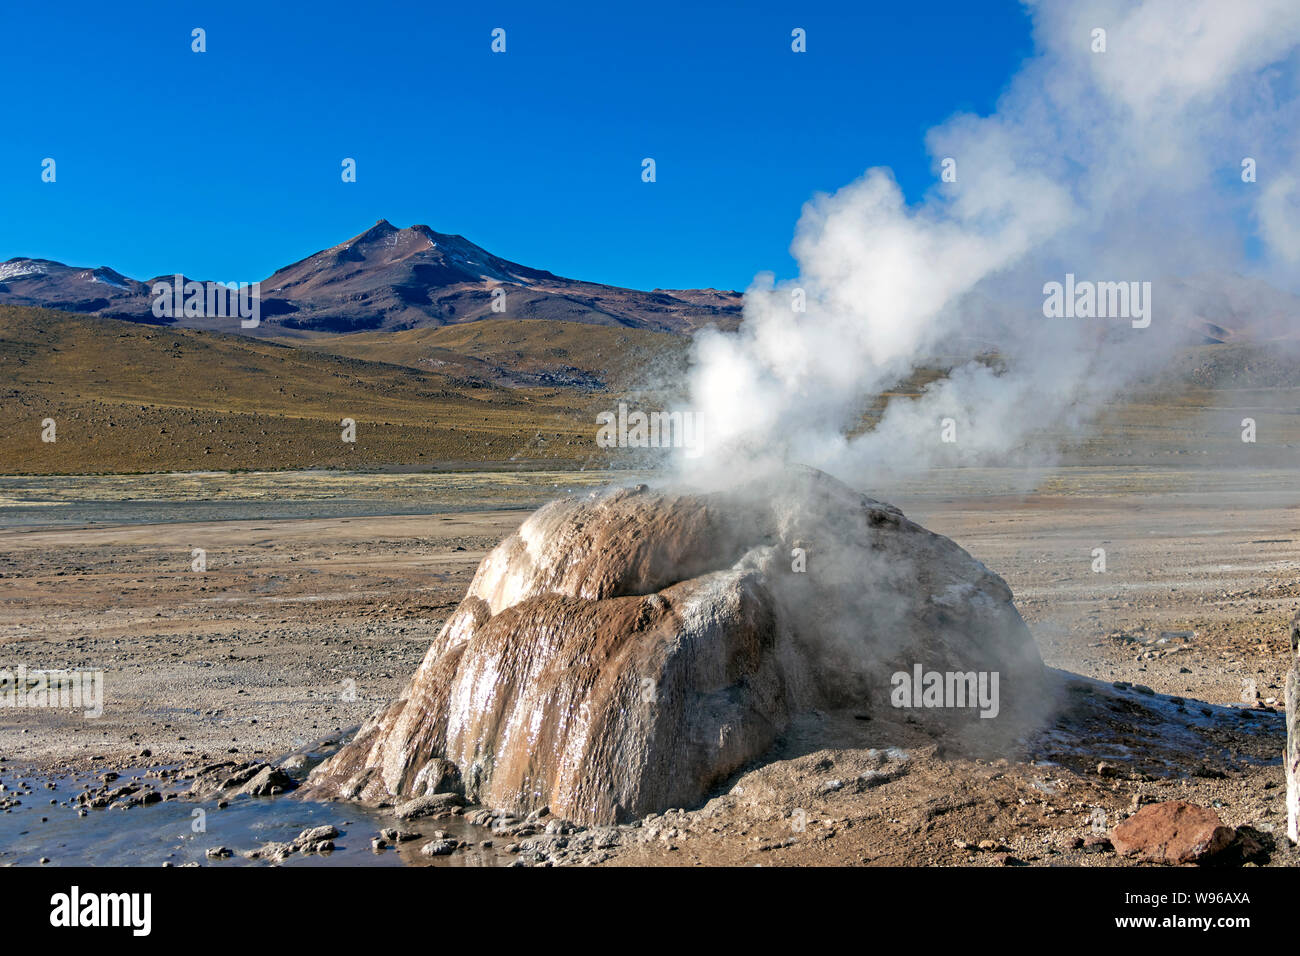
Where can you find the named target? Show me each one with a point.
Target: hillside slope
(522, 353)
(129, 397)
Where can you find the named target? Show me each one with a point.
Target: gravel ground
(299, 627)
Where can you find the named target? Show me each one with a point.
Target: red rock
(1174, 832)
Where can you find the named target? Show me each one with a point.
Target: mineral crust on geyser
(626, 652)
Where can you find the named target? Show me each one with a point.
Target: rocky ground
(299, 628)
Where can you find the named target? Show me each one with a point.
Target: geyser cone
(626, 652)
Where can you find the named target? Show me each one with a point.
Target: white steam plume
(1122, 165)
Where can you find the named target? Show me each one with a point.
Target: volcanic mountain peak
(385, 278)
(399, 258)
(44, 282)
(384, 235)
(22, 267)
(397, 278)
(109, 277)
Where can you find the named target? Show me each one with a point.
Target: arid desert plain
(322, 591)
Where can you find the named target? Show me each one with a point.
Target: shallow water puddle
(173, 832)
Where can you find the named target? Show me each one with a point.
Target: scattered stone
(315, 835)
(1173, 832)
(218, 853)
(232, 779)
(272, 852)
(427, 805)
(266, 782)
(294, 763)
(439, 848)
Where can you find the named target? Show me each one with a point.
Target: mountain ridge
(383, 278)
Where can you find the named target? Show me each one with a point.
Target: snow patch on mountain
(107, 277)
(20, 269)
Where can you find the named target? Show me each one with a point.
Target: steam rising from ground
(1122, 165)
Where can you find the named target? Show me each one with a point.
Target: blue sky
(226, 164)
